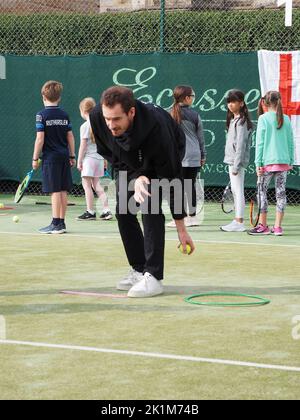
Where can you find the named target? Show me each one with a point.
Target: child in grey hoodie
(237, 154)
(195, 153)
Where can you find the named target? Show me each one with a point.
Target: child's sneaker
(87, 216)
(63, 227)
(52, 230)
(191, 221)
(277, 231)
(234, 226)
(260, 230)
(106, 215)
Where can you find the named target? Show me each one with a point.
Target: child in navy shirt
(55, 139)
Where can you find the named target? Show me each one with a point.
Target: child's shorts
(93, 168)
(57, 177)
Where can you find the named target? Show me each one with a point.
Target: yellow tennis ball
(188, 249)
(16, 219)
(2, 206)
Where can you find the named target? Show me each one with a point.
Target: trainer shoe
(52, 229)
(87, 216)
(234, 226)
(63, 227)
(106, 215)
(191, 221)
(277, 231)
(129, 281)
(259, 230)
(149, 286)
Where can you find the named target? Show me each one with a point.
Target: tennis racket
(24, 185)
(255, 205)
(227, 202)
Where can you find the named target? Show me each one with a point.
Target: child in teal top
(274, 145)
(275, 151)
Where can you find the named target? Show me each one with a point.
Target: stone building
(96, 6)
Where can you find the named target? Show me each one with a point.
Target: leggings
(280, 184)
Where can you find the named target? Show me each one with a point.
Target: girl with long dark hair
(237, 154)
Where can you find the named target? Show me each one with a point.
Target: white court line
(153, 355)
(243, 243)
(101, 237)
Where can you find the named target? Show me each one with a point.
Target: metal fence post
(162, 24)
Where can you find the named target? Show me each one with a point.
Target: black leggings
(190, 201)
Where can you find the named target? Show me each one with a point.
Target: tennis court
(66, 332)
(57, 346)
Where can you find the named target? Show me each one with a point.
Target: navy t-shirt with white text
(55, 123)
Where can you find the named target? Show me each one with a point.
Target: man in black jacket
(143, 143)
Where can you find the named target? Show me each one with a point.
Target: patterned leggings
(280, 183)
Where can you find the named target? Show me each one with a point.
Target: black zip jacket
(154, 146)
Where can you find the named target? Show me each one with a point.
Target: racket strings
(227, 202)
(22, 188)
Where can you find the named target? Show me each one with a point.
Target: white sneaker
(133, 278)
(147, 287)
(191, 221)
(171, 224)
(234, 226)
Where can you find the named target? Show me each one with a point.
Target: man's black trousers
(145, 248)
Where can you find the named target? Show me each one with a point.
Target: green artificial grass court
(90, 258)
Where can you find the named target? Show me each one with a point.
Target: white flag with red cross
(280, 71)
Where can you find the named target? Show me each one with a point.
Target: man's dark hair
(118, 95)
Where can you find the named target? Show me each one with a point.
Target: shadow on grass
(169, 291)
(80, 304)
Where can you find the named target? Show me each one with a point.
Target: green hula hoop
(260, 301)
